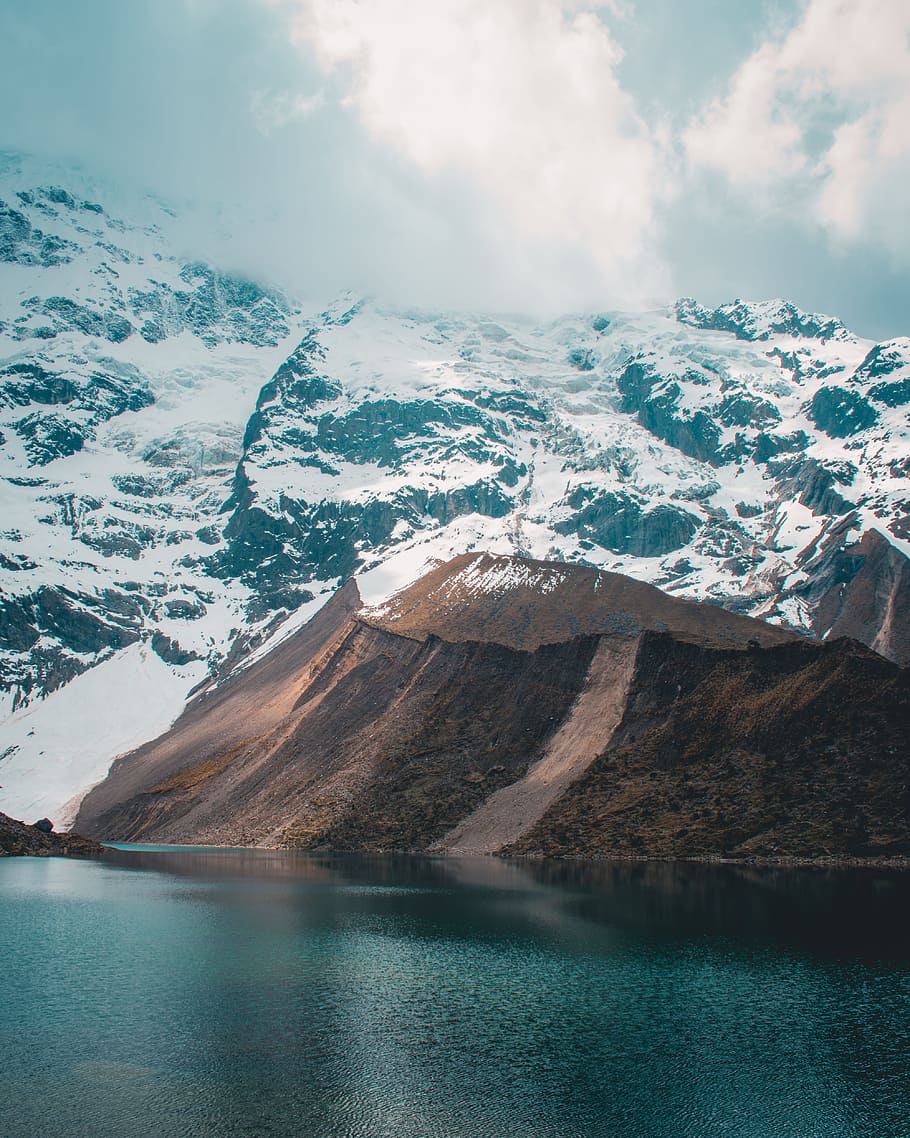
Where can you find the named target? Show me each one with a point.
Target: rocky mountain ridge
(469, 716)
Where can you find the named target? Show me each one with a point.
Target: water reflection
(825, 911)
(240, 992)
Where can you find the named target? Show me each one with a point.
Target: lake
(218, 994)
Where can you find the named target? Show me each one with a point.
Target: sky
(511, 155)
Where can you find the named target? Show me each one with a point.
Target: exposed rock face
(759, 321)
(859, 590)
(840, 413)
(872, 604)
(19, 839)
(505, 704)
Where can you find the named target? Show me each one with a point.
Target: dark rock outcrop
(20, 840)
(214, 306)
(841, 413)
(656, 400)
(22, 243)
(71, 626)
(618, 522)
(758, 322)
(49, 434)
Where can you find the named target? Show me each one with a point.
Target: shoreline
(764, 861)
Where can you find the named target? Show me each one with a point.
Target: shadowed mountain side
(582, 736)
(796, 750)
(388, 746)
(523, 603)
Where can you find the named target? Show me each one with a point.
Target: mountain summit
(524, 604)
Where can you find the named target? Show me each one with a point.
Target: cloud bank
(550, 155)
(518, 99)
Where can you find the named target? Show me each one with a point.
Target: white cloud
(749, 136)
(516, 99)
(824, 111)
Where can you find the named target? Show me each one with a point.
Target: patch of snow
(55, 750)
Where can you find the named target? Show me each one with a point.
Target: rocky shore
(17, 839)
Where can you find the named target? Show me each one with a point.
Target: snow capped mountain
(126, 377)
(710, 462)
(190, 461)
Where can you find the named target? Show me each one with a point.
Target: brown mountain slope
(470, 711)
(582, 735)
(523, 603)
(389, 744)
(219, 723)
(797, 750)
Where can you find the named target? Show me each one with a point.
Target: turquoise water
(216, 994)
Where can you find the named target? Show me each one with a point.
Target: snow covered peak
(761, 320)
(113, 279)
(889, 360)
(127, 376)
